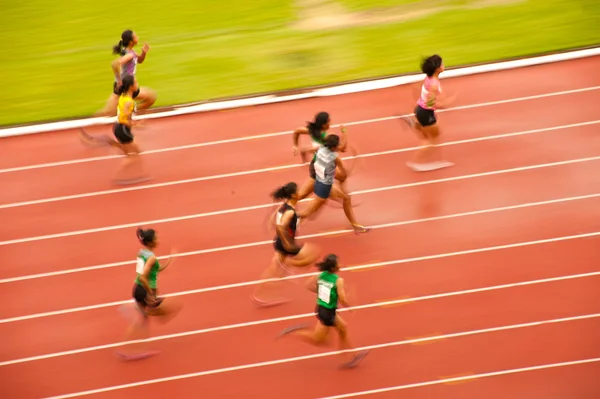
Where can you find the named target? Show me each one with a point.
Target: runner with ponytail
(145, 292)
(288, 252)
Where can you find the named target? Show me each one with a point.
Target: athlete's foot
(137, 180)
(291, 329)
(360, 229)
(136, 356)
(267, 303)
(355, 360)
(427, 167)
(91, 141)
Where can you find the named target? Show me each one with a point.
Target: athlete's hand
(295, 150)
(151, 299)
(145, 48)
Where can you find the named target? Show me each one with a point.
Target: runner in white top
(326, 162)
(425, 121)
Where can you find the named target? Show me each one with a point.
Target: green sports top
(318, 141)
(327, 295)
(142, 258)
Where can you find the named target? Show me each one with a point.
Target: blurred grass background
(56, 55)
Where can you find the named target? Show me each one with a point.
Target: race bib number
(139, 266)
(324, 293)
(319, 170)
(278, 218)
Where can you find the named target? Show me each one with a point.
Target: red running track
(462, 262)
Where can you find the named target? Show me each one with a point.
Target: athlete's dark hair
(332, 141)
(315, 127)
(126, 83)
(145, 236)
(431, 64)
(329, 263)
(126, 38)
(285, 192)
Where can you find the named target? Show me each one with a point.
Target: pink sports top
(428, 99)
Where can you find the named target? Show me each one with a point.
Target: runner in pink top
(425, 121)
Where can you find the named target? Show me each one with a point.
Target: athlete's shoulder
(145, 253)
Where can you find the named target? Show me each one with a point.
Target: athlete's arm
(441, 101)
(296, 137)
(341, 290)
(343, 140)
(340, 165)
(311, 284)
(282, 232)
(142, 55)
(146, 273)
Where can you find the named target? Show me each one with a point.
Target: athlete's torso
(124, 108)
(142, 257)
(318, 141)
(428, 98)
(130, 67)
(293, 224)
(325, 165)
(327, 295)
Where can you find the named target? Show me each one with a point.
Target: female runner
(330, 290)
(125, 140)
(288, 252)
(124, 66)
(318, 132)
(326, 164)
(425, 121)
(145, 292)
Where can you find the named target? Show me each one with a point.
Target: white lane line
(333, 353)
(305, 275)
(270, 205)
(268, 135)
(284, 167)
(268, 242)
(465, 378)
(300, 316)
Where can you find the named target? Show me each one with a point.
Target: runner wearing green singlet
(318, 131)
(330, 290)
(145, 293)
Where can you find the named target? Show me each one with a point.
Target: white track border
(348, 88)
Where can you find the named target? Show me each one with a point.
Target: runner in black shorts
(425, 121)
(122, 130)
(330, 290)
(288, 252)
(144, 292)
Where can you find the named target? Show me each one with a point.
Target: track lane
(389, 135)
(475, 354)
(85, 327)
(222, 268)
(248, 191)
(478, 353)
(415, 203)
(195, 128)
(578, 381)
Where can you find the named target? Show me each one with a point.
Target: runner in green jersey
(145, 292)
(330, 290)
